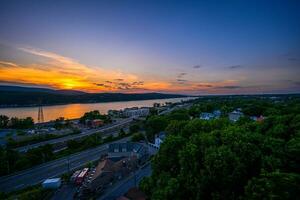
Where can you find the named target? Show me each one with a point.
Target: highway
(72, 137)
(53, 168)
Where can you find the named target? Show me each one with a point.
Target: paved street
(123, 186)
(54, 168)
(72, 137)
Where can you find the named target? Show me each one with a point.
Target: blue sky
(197, 47)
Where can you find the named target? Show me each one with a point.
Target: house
(159, 139)
(103, 175)
(128, 149)
(107, 171)
(124, 167)
(235, 115)
(94, 123)
(97, 123)
(258, 119)
(217, 114)
(206, 116)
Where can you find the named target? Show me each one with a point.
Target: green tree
(3, 121)
(275, 185)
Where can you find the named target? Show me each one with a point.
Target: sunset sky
(186, 47)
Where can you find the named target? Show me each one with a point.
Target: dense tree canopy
(217, 159)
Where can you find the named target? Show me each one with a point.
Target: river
(72, 111)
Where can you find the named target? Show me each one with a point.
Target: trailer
(81, 176)
(52, 183)
(74, 176)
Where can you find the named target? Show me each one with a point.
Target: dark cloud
(119, 79)
(230, 87)
(293, 59)
(103, 85)
(181, 80)
(138, 83)
(205, 85)
(293, 82)
(234, 66)
(180, 75)
(126, 86)
(197, 66)
(297, 83)
(108, 82)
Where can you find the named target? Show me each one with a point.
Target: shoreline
(60, 104)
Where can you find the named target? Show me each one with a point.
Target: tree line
(14, 122)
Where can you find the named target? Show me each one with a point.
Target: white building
(235, 115)
(136, 112)
(159, 139)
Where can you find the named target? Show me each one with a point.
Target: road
(53, 168)
(72, 137)
(123, 186)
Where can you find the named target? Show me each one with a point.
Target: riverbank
(73, 111)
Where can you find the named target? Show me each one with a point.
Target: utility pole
(68, 163)
(40, 115)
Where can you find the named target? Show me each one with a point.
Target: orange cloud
(61, 72)
(65, 73)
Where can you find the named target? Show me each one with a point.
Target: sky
(185, 47)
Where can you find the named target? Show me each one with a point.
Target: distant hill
(14, 96)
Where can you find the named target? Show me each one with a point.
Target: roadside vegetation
(29, 193)
(219, 159)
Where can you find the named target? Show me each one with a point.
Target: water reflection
(71, 111)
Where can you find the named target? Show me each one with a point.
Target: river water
(72, 111)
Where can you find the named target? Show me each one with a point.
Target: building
(97, 123)
(206, 116)
(124, 167)
(235, 115)
(103, 175)
(216, 114)
(107, 171)
(156, 105)
(94, 123)
(258, 119)
(159, 139)
(136, 112)
(128, 149)
(114, 113)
